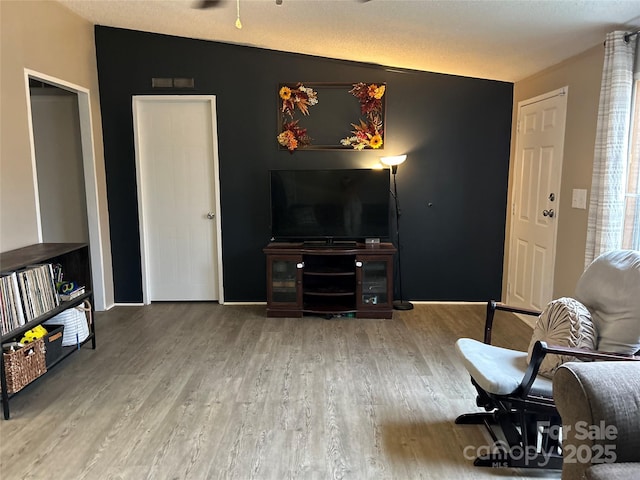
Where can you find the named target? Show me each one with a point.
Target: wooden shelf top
(384, 248)
(39, 252)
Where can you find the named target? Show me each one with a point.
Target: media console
(330, 280)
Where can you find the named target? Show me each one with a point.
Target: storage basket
(76, 322)
(53, 344)
(24, 365)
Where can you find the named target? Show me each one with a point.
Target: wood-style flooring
(200, 390)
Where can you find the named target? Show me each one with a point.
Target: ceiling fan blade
(205, 4)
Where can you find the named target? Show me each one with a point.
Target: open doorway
(58, 151)
(63, 163)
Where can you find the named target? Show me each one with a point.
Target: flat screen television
(329, 205)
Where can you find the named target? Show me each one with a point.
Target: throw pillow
(564, 322)
(610, 288)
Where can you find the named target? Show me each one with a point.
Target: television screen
(351, 204)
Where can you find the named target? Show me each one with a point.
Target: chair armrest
(492, 306)
(589, 354)
(540, 349)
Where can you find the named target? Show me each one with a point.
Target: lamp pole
(393, 162)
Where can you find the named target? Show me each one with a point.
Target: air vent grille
(178, 82)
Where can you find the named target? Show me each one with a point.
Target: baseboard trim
(245, 303)
(445, 302)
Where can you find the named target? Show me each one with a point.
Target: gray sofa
(599, 403)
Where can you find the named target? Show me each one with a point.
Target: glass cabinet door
(284, 285)
(284, 281)
(373, 281)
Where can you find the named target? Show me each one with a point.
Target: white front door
(177, 170)
(536, 199)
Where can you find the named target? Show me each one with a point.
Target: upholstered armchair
(599, 404)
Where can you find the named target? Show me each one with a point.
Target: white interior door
(176, 157)
(536, 199)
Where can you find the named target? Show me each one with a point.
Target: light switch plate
(579, 198)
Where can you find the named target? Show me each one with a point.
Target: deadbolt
(552, 196)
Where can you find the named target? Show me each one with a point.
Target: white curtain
(607, 202)
(631, 234)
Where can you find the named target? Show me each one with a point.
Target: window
(631, 229)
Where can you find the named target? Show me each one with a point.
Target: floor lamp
(393, 162)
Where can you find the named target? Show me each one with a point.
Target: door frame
(89, 172)
(563, 92)
(140, 169)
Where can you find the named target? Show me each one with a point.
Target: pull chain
(238, 22)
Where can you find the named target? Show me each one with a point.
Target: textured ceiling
(495, 39)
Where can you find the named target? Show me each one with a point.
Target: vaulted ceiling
(504, 40)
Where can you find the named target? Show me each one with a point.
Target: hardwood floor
(199, 390)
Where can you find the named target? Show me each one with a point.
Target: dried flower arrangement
(369, 133)
(299, 97)
(293, 136)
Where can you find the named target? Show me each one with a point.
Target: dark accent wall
(452, 188)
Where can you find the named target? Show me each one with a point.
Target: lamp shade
(393, 161)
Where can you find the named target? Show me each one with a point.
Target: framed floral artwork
(331, 116)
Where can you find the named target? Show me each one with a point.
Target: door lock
(211, 215)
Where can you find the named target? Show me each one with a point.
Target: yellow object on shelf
(34, 334)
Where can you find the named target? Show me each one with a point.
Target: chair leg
(515, 435)
(479, 418)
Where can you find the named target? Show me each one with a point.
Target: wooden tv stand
(330, 280)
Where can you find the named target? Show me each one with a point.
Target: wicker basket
(23, 366)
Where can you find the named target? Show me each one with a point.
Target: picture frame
(324, 116)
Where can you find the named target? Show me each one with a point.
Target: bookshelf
(75, 262)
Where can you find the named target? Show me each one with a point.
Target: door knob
(548, 213)
(211, 215)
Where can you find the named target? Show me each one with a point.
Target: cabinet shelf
(17, 332)
(331, 273)
(329, 309)
(284, 290)
(330, 293)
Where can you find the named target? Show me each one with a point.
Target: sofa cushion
(613, 471)
(564, 322)
(610, 288)
(498, 370)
